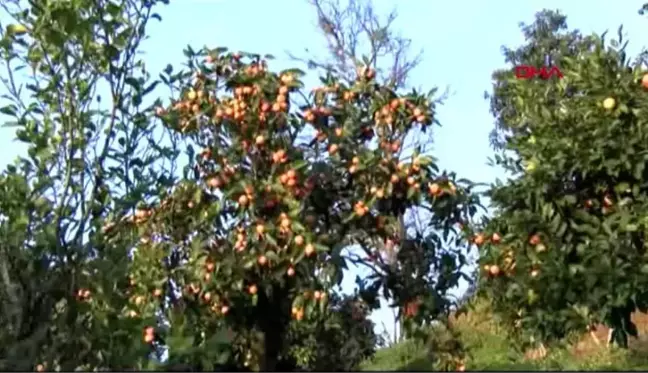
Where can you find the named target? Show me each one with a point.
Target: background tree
(75, 90)
(565, 248)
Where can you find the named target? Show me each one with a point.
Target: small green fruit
(14, 29)
(530, 166)
(532, 140)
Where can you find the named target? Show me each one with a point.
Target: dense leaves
(111, 260)
(339, 342)
(567, 249)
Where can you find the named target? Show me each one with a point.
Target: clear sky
(460, 40)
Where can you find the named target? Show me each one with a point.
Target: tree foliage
(111, 261)
(75, 91)
(565, 249)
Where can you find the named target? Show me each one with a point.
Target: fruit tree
(565, 249)
(284, 181)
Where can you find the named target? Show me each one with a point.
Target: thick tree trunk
(274, 326)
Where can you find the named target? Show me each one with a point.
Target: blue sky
(460, 40)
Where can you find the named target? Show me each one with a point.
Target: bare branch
(356, 35)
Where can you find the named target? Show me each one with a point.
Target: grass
(488, 349)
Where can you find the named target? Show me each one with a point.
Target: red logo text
(530, 72)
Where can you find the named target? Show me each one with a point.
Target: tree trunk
(273, 324)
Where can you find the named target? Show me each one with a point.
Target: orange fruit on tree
(494, 270)
(253, 289)
(333, 148)
(260, 228)
(259, 140)
(299, 240)
(309, 250)
(644, 81)
(262, 260)
(214, 182)
(243, 200)
(479, 239)
(534, 240)
(434, 189)
(290, 272)
(496, 238)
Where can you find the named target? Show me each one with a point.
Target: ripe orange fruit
(259, 140)
(317, 294)
(157, 292)
(214, 182)
(40, 368)
(333, 148)
(607, 201)
(290, 272)
(253, 289)
(644, 81)
(243, 200)
(479, 239)
(224, 310)
(209, 266)
(535, 273)
(260, 228)
(291, 173)
(496, 238)
(434, 189)
(338, 132)
(394, 178)
(380, 193)
(534, 240)
(299, 315)
(309, 250)
(262, 260)
(299, 240)
(494, 270)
